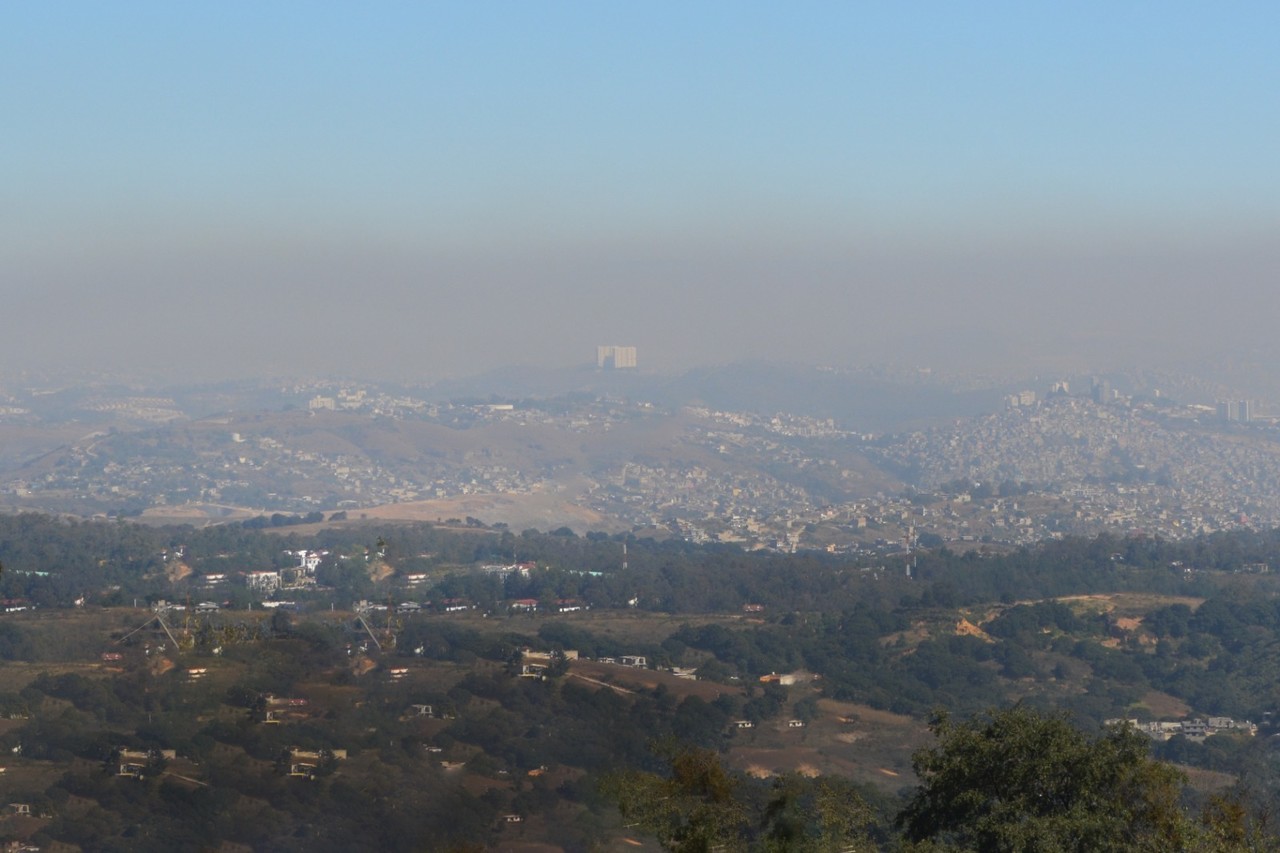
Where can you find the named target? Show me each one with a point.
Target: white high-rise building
(615, 357)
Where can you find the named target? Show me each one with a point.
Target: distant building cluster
(294, 577)
(1235, 411)
(1101, 391)
(1197, 728)
(615, 357)
(1022, 398)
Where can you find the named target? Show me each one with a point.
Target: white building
(264, 581)
(612, 357)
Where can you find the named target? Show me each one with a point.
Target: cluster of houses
(787, 679)
(749, 724)
(300, 576)
(504, 572)
(277, 709)
(409, 608)
(561, 605)
(133, 763)
(162, 607)
(634, 661)
(305, 763)
(534, 664)
(1198, 729)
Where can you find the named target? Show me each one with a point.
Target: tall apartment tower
(1101, 391)
(615, 357)
(1235, 410)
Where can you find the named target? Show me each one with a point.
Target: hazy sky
(418, 190)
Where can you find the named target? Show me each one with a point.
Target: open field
(1165, 707)
(541, 510)
(847, 739)
(635, 626)
(15, 675)
(630, 678)
(1127, 604)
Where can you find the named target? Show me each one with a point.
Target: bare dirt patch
(177, 571)
(845, 738)
(865, 714)
(380, 570)
(763, 762)
(1165, 707)
(160, 666)
(965, 628)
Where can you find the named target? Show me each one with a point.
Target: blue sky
(253, 187)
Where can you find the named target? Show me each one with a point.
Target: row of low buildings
(1193, 728)
(534, 663)
(299, 576)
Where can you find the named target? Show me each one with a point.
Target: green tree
(1017, 780)
(701, 806)
(823, 815)
(692, 811)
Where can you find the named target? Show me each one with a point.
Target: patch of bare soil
(379, 570)
(1165, 707)
(965, 628)
(762, 762)
(160, 666)
(865, 714)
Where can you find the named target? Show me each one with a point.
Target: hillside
(484, 689)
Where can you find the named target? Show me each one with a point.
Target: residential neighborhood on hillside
(1047, 464)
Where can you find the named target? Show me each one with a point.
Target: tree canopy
(701, 806)
(1017, 780)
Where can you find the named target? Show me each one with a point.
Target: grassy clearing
(16, 675)
(649, 679)
(1126, 604)
(1165, 707)
(864, 743)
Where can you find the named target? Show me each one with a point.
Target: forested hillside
(438, 685)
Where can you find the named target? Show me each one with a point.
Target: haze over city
(423, 191)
